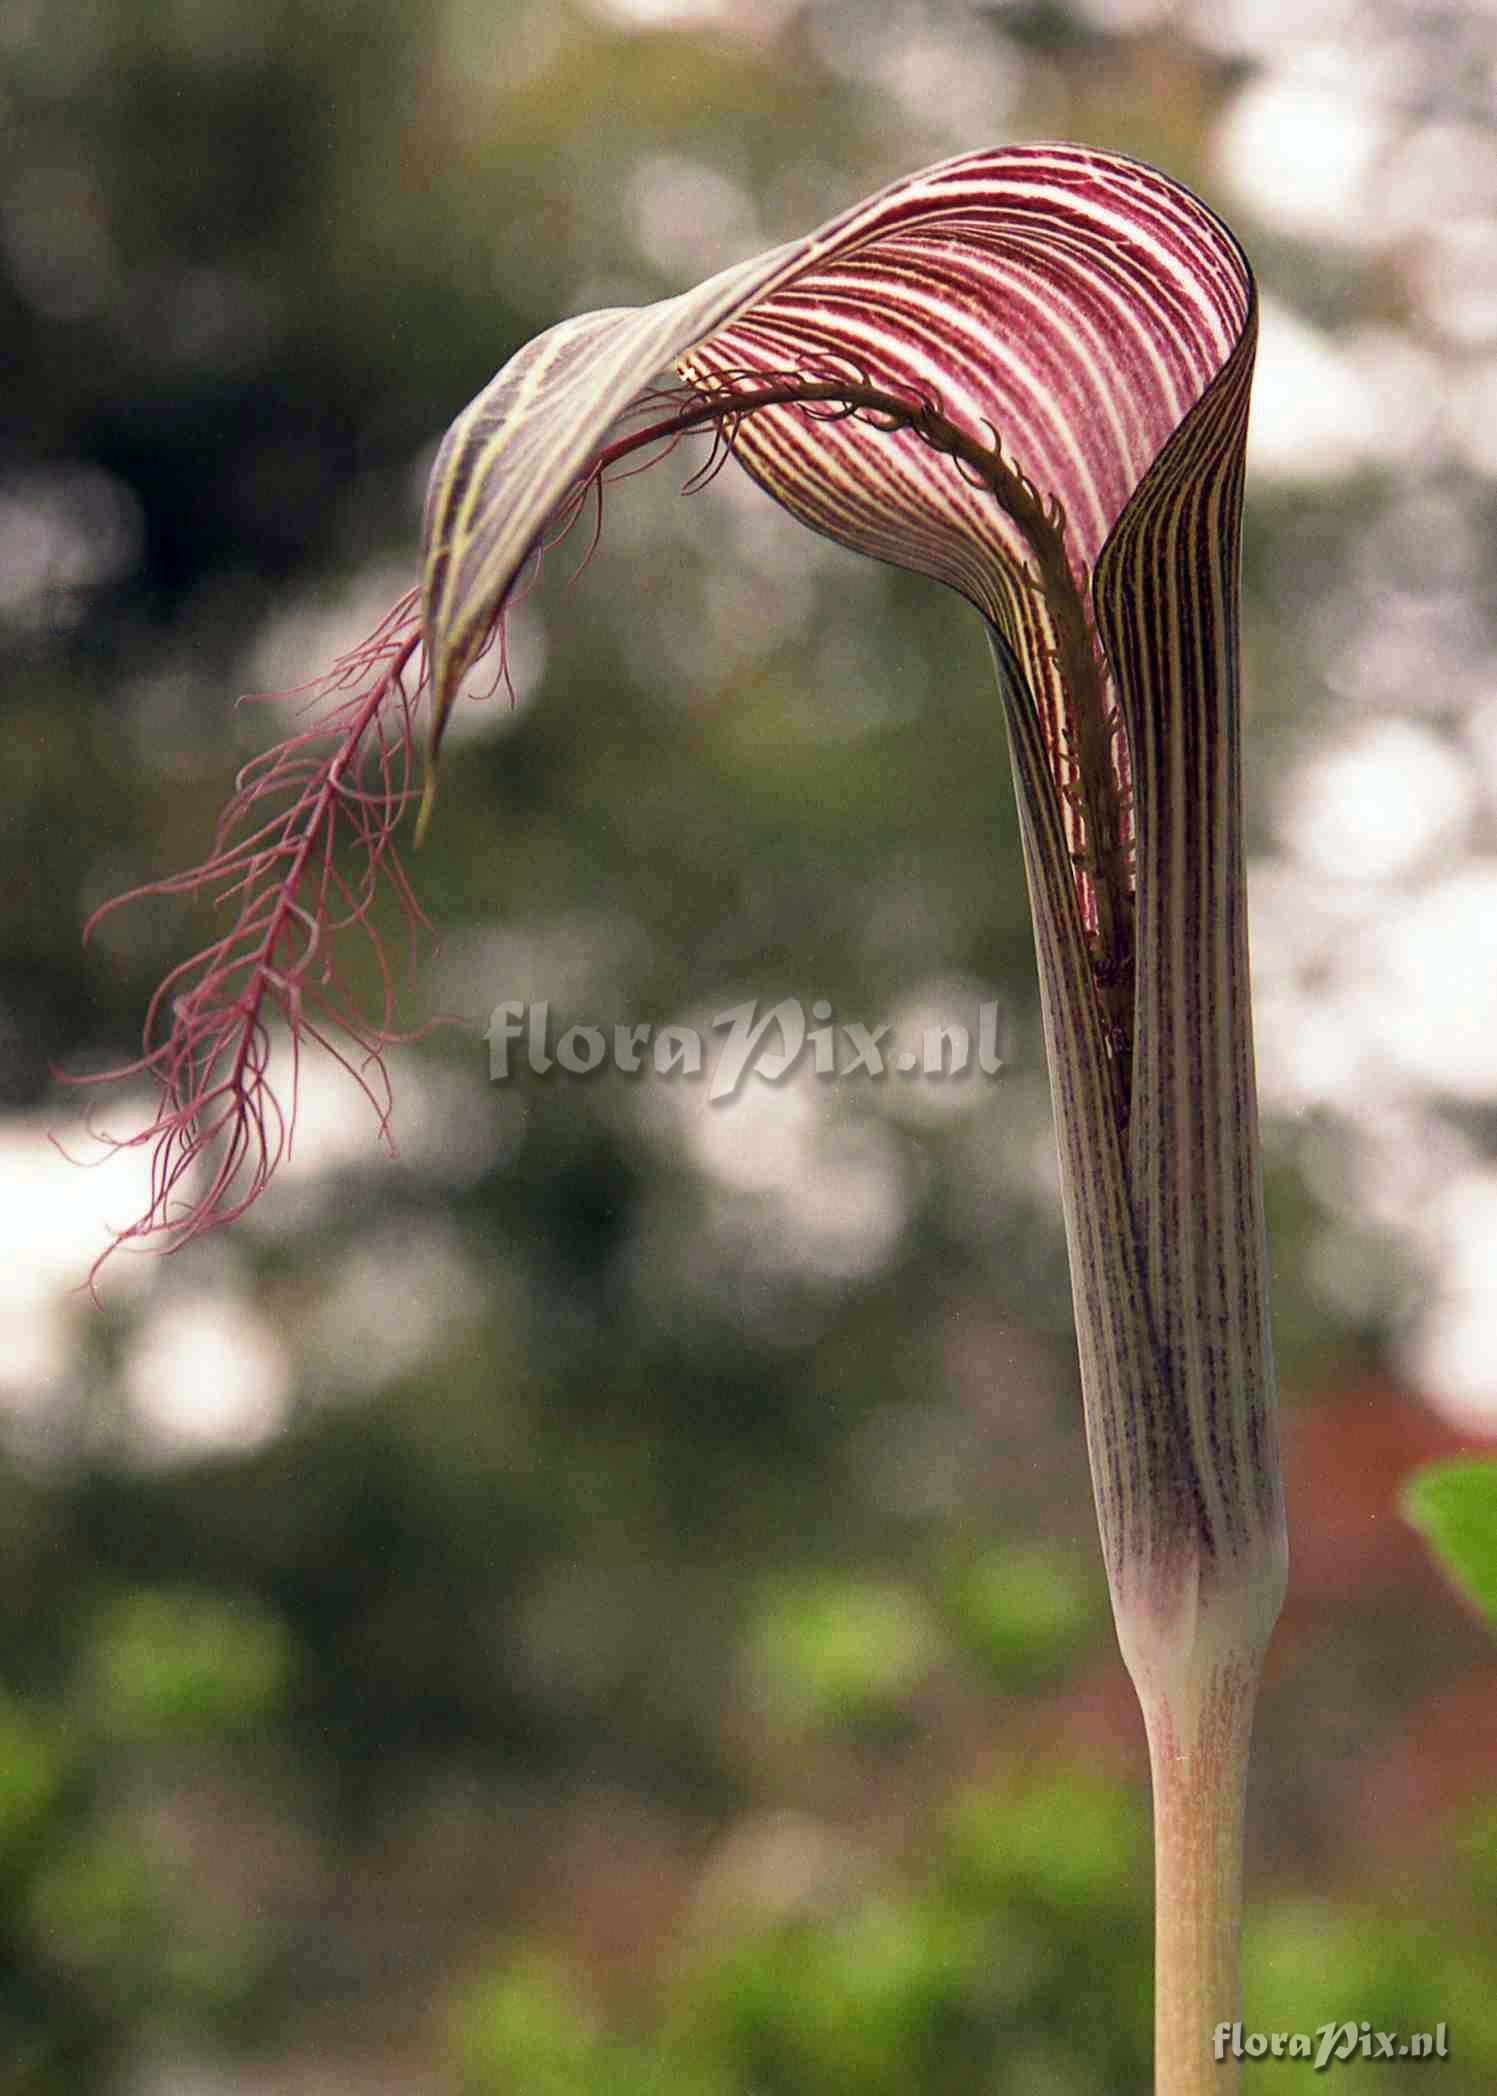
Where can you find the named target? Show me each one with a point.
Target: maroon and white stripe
(1097, 321)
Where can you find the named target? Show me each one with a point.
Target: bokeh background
(607, 1603)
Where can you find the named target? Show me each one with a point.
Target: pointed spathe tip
(428, 802)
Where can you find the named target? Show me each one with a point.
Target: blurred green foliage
(101, 1936)
(1001, 1974)
(841, 1649)
(1397, 1972)
(186, 1667)
(1027, 1614)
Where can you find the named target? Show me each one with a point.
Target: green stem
(1200, 1789)
(1196, 1669)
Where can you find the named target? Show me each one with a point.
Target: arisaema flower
(1025, 373)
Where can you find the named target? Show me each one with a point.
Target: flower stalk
(1024, 373)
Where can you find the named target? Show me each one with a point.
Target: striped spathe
(1047, 353)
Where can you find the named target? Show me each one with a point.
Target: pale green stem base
(1195, 1659)
(1200, 1788)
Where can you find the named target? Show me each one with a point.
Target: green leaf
(1454, 1507)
